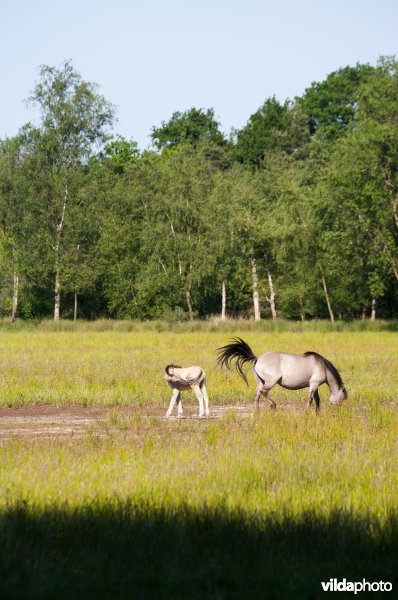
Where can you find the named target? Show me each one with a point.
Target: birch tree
(10, 202)
(74, 121)
(16, 230)
(357, 199)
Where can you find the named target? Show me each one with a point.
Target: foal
(180, 379)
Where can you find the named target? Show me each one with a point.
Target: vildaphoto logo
(334, 585)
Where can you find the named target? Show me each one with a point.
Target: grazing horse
(180, 379)
(291, 371)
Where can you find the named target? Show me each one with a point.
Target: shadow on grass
(125, 551)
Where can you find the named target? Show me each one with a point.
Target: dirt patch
(47, 421)
(76, 421)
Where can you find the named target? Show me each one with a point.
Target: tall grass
(205, 325)
(278, 463)
(276, 503)
(126, 367)
(264, 506)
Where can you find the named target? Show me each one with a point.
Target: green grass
(110, 368)
(224, 509)
(260, 507)
(211, 324)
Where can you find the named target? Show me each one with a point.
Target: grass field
(265, 506)
(119, 367)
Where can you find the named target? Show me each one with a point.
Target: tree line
(295, 215)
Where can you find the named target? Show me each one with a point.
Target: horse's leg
(257, 395)
(317, 401)
(198, 393)
(202, 386)
(265, 389)
(270, 401)
(179, 406)
(313, 393)
(174, 397)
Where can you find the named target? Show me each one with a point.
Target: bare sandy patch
(77, 421)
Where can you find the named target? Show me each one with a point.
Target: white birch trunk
(373, 311)
(395, 203)
(392, 262)
(189, 304)
(57, 297)
(301, 308)
(256, 299)
(325, 289)
(175, 241)
(57, 284)
(15, 297)
(394, 199)
(223, 302)
(75, 307)
(271, 298)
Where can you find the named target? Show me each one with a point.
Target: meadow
(262, 506)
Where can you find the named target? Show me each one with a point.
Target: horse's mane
(328, 365)
(171, 367)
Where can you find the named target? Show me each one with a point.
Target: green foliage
(273, 127)
(74, 115)
(357, 202)
(331, 104)
(307, 189)
(191, 127)
(121, 152)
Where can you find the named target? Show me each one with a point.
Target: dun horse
(291, 371)
(180, 379)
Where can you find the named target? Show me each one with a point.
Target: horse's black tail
(239, 351)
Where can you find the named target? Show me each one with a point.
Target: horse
(290, 371)
(180, 379)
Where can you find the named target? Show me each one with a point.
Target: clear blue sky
(154, 57)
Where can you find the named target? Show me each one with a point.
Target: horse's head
(170, 369)
(339, 396)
